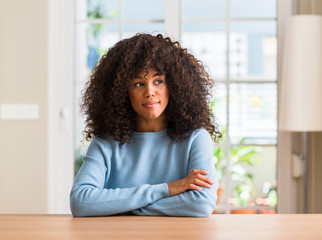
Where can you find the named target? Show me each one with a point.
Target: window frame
(60, 104)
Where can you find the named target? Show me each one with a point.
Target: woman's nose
(149, 91)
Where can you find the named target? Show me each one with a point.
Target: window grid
(227, 81)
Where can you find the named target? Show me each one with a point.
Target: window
(99, 25)
(236, 40)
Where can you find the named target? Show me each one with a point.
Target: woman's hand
(194, 181)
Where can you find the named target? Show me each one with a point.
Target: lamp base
(304, 150)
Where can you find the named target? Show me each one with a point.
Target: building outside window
(237, 42)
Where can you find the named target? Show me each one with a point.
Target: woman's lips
(150, 104)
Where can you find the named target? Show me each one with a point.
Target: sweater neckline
(150, 134)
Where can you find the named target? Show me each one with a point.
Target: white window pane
(219, 107)
(220, 162)
(207, 42)
(79, 120)
(93, 40)
(203, 8)
(253, 177)
(253, 113)
(103, 9)
(253, 8)
(81, 53)
(144, 9)
(130, 29)
(80, 144)
(253, 50)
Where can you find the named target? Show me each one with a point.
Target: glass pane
(144, 9)
(93, 40)
(207, 42)
(130, 29)
(253, 178)
(253, 8)
(219, 105)
(82, 70)
(79, 123)
(253, 113)
(203, 8)
(220, 160)
(103, 9)
(253, 50)
(81, 144)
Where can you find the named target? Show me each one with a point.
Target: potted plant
(240, 156)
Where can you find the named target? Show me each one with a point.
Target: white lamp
(301, 83)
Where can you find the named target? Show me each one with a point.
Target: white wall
(23, 79)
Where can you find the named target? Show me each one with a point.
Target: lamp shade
(301, 81)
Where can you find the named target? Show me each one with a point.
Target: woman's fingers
(202, 183)
(194, 187)
(200, 175)
(198, 180)
(205, 179)
(204, 172)
(195, 180)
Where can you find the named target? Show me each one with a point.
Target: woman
(149, 124)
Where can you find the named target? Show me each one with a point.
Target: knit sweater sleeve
(192, 203)
(89, 197)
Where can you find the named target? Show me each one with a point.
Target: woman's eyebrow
(154, 75)
(158, 74)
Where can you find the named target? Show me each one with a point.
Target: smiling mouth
(150, 104)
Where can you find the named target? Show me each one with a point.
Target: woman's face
(149, 97)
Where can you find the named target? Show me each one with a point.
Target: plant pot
(243, 211)
(268, 211)
(219, 192)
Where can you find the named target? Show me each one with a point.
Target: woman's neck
(146, 125)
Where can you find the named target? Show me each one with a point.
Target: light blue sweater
(132, 179)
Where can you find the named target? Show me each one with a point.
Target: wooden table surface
(273, 226)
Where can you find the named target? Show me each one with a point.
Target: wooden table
(286, 227)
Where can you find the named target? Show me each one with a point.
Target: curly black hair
(105, 102)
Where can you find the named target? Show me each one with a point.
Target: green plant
(240, 156)
(99, 9)
(270, 192)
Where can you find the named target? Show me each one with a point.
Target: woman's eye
(159, 81)
(138, 84)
